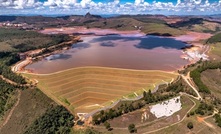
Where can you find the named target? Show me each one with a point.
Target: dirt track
(11, 111)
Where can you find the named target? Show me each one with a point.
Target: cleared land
(88, 88)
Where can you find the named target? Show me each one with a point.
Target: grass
(161, 29)
(216, 49)
(211, 78)
(205, 27)
(85, 86)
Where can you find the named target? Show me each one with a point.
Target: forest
(6, 92)
(57, 120)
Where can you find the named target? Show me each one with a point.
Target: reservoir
(118, 51)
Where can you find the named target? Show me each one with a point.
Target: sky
(68, 7)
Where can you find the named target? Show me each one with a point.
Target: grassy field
(215, 51)
(88, 88)
(206, 26)
(147, 25)
(212, 80)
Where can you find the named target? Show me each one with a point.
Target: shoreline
(88, 67)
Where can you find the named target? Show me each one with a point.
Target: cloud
(112, 6)
(19, 4)
(138, 2)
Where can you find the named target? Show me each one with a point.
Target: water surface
(118, 51)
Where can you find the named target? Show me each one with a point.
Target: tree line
(124, 108)
(6, 60)
(196, 74)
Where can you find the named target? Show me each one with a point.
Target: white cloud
(19, 4)
(138, 2)
(114, 6)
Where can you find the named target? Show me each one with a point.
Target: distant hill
(188, 23)
(88, 15)
(7, 18)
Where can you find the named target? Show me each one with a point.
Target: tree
(190, 125)
(132, 128)
(107, 125)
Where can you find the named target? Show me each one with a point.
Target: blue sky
(167, 7)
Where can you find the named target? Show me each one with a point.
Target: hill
(215, 38)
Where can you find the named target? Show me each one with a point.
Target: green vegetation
(124, 108)
(154, 98)
(85, 131)
(21, 40)
(32, 104)
(162, 94)
(190, 125)
(215, 38)
(196, 74)
(6, 92)
(216, 50)
(180, 86)
(198, 25)
(204, 108)
(107, 125)
(218, 119)
(7, 73)
(56, 120)
(132, 128)
(146, 25)
(188, 23)
(6, 60)
(156, 29)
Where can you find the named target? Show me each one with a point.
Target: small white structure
(166, 108)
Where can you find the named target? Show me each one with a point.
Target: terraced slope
(88, 88)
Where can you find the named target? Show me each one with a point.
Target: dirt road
(11, 111)
(189, 81)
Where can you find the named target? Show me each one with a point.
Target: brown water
(118, 51)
